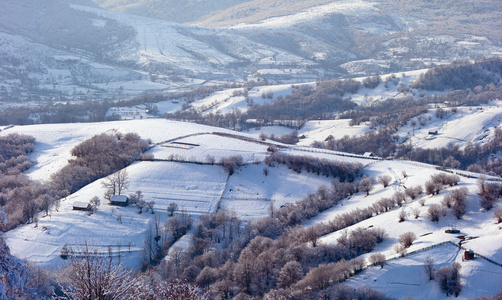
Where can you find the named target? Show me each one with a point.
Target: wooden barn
(119, 200)
(84, 206)
(468, 255)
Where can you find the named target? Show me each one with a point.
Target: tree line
(94, 158)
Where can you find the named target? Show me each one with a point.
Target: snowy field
(202, 188)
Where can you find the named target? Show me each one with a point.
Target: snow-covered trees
(116, 183)
(91, 276)
(384, 180)
(498, 215)
(231, 163)
(434, 212)
(377, 259)
(429, 268)
(171, 208)
(488, 192)
(448, 278)
(407, 238)
(97, 157)
(366, 184)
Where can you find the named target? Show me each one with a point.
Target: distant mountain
(170, 10)
(77, 51)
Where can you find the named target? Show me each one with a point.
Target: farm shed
(369, 154)
(84, 206)
(119, 200)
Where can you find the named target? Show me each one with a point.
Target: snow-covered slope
(199, 187)
(76, 51)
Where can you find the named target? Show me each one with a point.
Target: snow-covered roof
(118, 198)
(81, 204)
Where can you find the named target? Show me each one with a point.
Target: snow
(199, 188)
(466, 126)
(250, 192)
(358, 7)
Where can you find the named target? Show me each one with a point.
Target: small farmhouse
(369, 154)
(84, 206)
(119, 200)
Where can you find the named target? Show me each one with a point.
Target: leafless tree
(399, 198)
(407, 238)
(429, 268)
(448, 278)
(116, 183)
(95, 203)
(434, 212)
(384, 180)
(498, 215)
(402, 215)
(150, 205)
(459, 206)
(171, 208)
(91, 276)
(310, 235)
(357, 264)
(416, 212)
(400, 249)
(290, 273)
(366, 184)
(377, 259)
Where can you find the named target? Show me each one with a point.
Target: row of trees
(97, 157)
(460, 75)
(342, 170)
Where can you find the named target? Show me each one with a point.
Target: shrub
(498, 215)
(384, 180)
(448, 278)
(407, 238)
(377, 259)
(434, 212)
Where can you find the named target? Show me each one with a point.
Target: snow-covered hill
(59, 51)
(204, 188)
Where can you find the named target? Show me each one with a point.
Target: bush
(434, 212)
(407, 238)
(377, 259)
(384, 180)
(498, 215)
(448, 278)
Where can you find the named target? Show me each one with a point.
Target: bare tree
(429, 268)
(434, 212)
(416, 212)
(459, 206)
(116, 183)
(366, 184)
(150, 205)
(498, 215)
(290, 274)
(384, 180)
(377, 259)
(90, 276)
(171, 208)
(407, 238)
(95, 203)
(310, 235)
(402, 215)
(448, 278)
